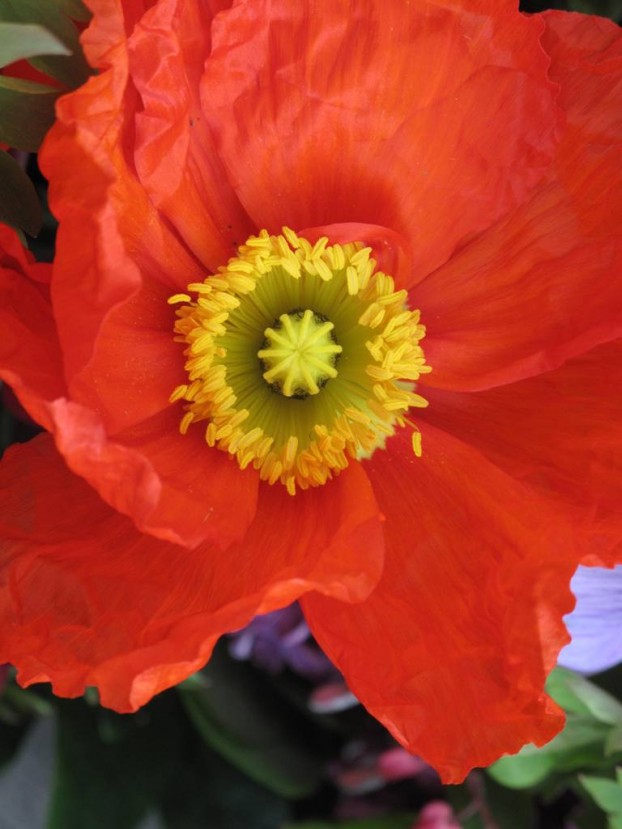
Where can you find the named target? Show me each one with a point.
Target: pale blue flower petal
(596, 623)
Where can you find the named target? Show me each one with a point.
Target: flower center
(299, 353)
(300, 358)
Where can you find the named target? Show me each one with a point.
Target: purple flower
(596, 622)
(281, 639)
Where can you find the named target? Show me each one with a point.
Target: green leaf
(242, 717)
(71, 70)
(589, 816)
(25, 702)
(208, 792)
(112, 783)
(576, 694)
(613, 743)
(580, 745)
(26, 40)
(26, 112)
(73, 8)
(19, 204)
(586, 742)
(510, 809)
(461, 799)
(47, 13)
(605, 8)
(606, 793)
(523, 770)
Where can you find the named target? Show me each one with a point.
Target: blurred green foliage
(242, 716)
(264, 763)
(43, 33)
(591, 738)
(604, 8)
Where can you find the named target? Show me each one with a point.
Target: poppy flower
(334, 315)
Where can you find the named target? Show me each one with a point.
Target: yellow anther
(264, 340)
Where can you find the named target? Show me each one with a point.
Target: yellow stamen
(300, 357)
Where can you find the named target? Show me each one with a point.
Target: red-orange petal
(15, 257)
(452, 648)
(117, 261)
(430, 118)
(30, 357)
(111, 236)
(173, 486)
(543, 285)
(87, 600)
(392, 251)
(559, 434)
(135, 364)
(176, 160)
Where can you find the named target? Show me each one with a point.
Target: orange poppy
(405, 412)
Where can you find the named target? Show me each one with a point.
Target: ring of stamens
(300, 358)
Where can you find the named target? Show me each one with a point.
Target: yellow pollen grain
(416, 443)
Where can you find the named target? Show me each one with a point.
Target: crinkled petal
(381, 113)
(87, 600)
(174, 152)
(136, 364)
(112, 238)
(30, 358)
(117, 261)
(595, 624)
(558, 433)
(173, 486)
(451, 650)
(545, 284)
(15, 257)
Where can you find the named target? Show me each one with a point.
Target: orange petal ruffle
(452, 649)
(559, 434)
(88, 600)
(381, 114)
(30, 356)
(544, 284)
(149, 472)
